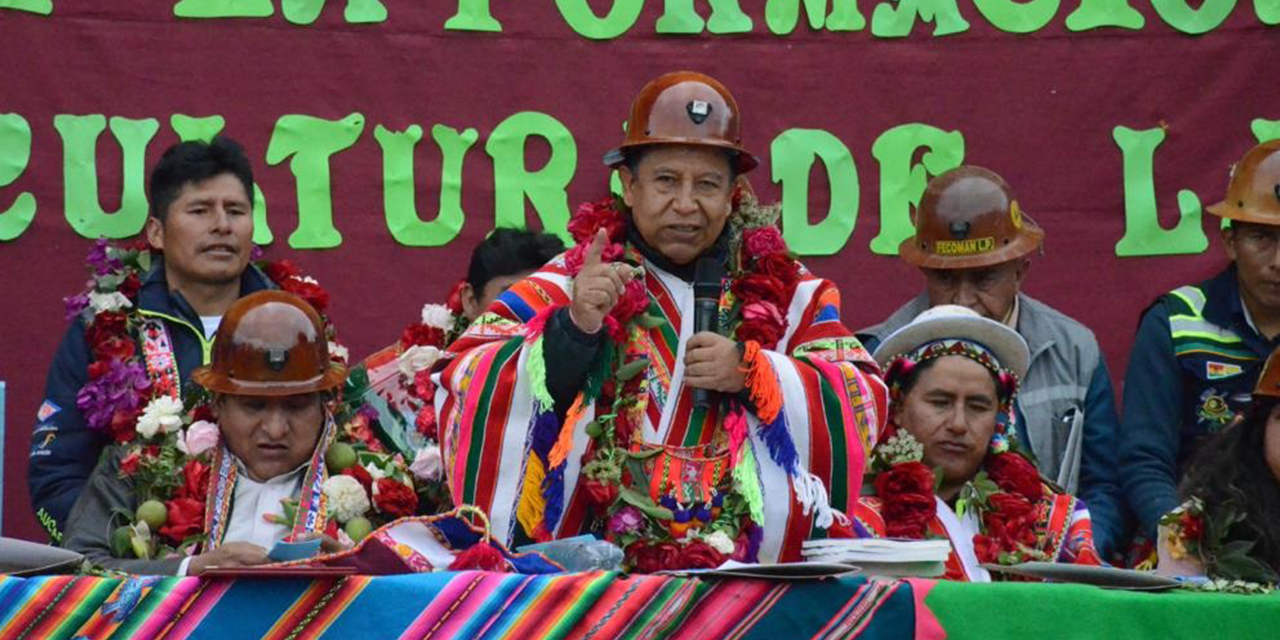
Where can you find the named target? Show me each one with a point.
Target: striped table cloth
(467, 604)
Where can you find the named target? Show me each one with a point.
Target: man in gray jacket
(972, 243)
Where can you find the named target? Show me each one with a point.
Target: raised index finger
(596, 249)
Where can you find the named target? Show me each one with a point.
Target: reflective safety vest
(1219, 368)
(1193, 334)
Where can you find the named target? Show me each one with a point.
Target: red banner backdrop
(378, 126)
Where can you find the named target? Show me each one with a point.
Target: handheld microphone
(707, 275)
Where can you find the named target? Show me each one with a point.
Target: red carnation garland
(764, 276)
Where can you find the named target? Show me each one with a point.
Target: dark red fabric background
(1038, 109)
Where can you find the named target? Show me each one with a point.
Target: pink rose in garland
(763, 241)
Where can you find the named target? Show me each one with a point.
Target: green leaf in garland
(648, 321)
(594, 430)
(644, 504)
(1233, 561)
(638, 477)
(644, 454)
(111, 281)
(144, 261)
(631, 369)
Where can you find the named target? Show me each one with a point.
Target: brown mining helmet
(685, 107)
(1269, 379)
(1254, 192)
(270, 343)
(968, 218)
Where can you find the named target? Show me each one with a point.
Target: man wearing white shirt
(270, 376)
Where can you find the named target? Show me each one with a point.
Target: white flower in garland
(338, 352)
(438, 316)
(418, 358)
(720, 541)
(347, 498)
(163, 414)
(901, 447)
(103, 302)
(427, 463)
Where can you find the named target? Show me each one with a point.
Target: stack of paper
(880, 557)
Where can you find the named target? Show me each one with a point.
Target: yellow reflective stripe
(1220, 339)
(1181, 328)
(1194, 298)
(206, 346)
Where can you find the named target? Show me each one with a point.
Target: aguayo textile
(474, 605)
(802, 466)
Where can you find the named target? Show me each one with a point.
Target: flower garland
(421, 346)
(119, 386)
(710, 507)
(1196, 531)
(169, 442)
(1006, 493)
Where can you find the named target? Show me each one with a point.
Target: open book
(883, 557)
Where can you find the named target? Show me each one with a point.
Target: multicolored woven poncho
(633, 459)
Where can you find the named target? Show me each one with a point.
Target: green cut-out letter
(546, 187)
(473, 15)
(782, 15)
(223, 9)
(679, 17)
(792, 154)
(584, 21)
(1265, 130)
(890, 22)
(201, 129)
(1143, 235)
(1179, 14)
(81, 206)
(398, 184)
(1268, 11)
(204, 129)
(42, 7)
(1093, 14)
(902, 182)
(1018, 17)
(15, 153)
(357, 11)
(311, 142)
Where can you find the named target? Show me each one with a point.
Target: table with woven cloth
(481, 605)
(467, 604)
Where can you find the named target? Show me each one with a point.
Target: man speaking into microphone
(677, 382)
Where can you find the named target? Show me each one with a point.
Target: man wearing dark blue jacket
(1200, 349)
(201, 218)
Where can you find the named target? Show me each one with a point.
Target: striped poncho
(833, 404)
